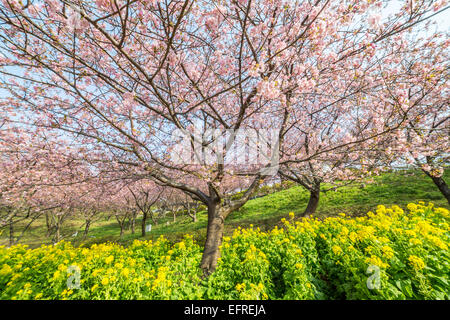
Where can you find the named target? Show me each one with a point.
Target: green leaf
(442, 281)
(407, 289)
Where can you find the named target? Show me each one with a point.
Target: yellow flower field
(386, 254)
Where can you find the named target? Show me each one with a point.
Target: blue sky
(442, 19)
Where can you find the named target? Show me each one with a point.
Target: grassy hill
(265, 212)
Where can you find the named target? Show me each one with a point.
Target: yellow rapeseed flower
(105, 281)
(388, 252)
(5, 270)
(412, 207)
(416, 262)
(374, 260)
(336, 250)
(381, 209)
(96, 272)
(125, 272)
(56, 275)
(109, 259)
(240, 286)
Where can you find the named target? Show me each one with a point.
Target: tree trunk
(11, 234)
(214, 235)
(312, 203)
(174, 216)
(86, 229)
(49, 227)
(144, 222)
(192, 212)
(57, 232)
(441, 184)
(121, 225)
(133, 223)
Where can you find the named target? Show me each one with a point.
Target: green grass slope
(391, 188)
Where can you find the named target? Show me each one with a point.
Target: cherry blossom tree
(119, 203)
(173, 201)
(32, 176)
(91, 201)
(191, 207)
(348, 103)
(423, 140)
(145, 195)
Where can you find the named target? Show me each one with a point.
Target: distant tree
(145, 195)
